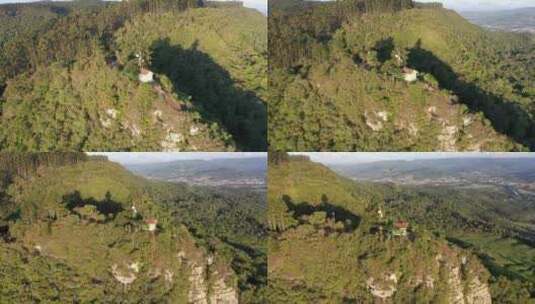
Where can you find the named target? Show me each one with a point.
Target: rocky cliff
(452, 277)
(208, 285)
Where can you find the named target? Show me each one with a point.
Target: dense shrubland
(327, 239)
(76, 64)
(66, 219)
(337, 80)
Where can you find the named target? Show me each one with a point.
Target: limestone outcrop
(465, 281)
(210, 286)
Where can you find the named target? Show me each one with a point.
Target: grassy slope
(329, 102)
(228, 35)
(66, 267)
(231, 42)
(99, 89)
(486, 220)
(304, 181)
(306, 263)
(64, 241)
(218, 56)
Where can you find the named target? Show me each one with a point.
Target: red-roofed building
(400, 228)
(151, 223)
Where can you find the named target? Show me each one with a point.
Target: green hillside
(69, 234)
(333, 240)
(338, 81)
(69, 77)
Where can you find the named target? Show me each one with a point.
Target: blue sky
(478, 5)
(362, 157)
(158, 157)
(260, 5)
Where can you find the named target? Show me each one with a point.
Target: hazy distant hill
(517, 20)
(217, 172)
(475, 169)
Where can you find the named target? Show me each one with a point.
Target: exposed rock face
(123, 278)
(476, 291)
(134, 129)
(376, 119)
(194, 130)
(455, 284)
(172, 142)
(222, 293)
(468, 120)
(384, 288)
(209, 286)
(479, 293)
(157, 114)
(198, 290)
(112, 113)
(465, 285)
(447, 139)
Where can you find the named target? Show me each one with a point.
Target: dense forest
(395, 76)
(69, 76)
(207, 245)
(342, 241)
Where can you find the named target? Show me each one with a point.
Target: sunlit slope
(326, 246)
(208, 94)
(93, 106)
(305, 182)
(75, 235)
(473, 92)
(217, 56)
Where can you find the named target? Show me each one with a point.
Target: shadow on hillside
(215, 94)
(334, 212)
(489, 262)
(259, 276)
(384, 49)
(107, 206)
(506, 117)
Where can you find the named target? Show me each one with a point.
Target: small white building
(146, 76)
(410, 75)
(151, 224)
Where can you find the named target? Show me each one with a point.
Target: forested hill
(69, 76)
(339, 241)
(340, 78)
(76, 229)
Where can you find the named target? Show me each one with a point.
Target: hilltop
(337, 241)
(79, 229)
(134, 75)
(351, 76)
